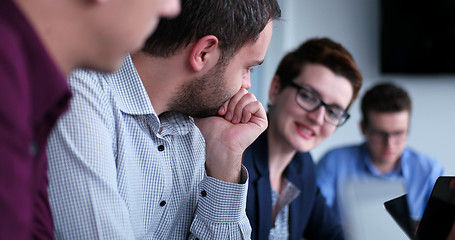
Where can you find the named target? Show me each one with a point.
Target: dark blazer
(309, 216)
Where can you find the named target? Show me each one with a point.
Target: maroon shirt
(33, 93)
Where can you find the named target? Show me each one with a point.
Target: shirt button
(162, 203)
(160, 148)
(203, 193)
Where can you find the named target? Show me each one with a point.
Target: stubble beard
(202, 97)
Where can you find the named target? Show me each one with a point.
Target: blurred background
(359, 26)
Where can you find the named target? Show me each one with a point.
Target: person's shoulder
(91, 81)
(341, 151)
(340, 158)
(8, 28)
(421, 159)
(412, 153)
(19, 44)
(12, 49)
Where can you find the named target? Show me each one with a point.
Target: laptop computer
(438, 219)
(362, 210)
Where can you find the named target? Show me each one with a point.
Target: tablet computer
(438, 220)
(399, 210)
(439, 215)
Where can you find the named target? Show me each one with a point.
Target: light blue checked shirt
(118, 171)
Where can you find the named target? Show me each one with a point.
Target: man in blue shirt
(386, 110)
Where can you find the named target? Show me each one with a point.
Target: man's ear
(275, 86)
(204, 51)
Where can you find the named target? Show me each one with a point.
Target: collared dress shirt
(353, 163)
(119, 171)
(33, 94)
(280, 204)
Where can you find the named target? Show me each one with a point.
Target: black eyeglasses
(382, 136)
(310, 101)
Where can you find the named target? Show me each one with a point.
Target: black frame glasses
(309, 101)
(383, 136)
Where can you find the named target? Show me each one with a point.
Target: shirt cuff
(221, 201)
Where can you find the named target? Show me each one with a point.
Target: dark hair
(233, 22)
(322, 51)
(385, 98)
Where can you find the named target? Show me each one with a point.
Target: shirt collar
(394, 174)
(130, 92)
(134, 100)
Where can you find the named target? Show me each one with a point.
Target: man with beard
(128, 162)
